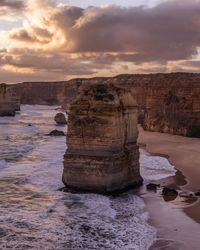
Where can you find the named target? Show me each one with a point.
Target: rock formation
(8, 102)
(102, 154)
(60, 119)
(43, 93)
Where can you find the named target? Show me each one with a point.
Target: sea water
(34, 214)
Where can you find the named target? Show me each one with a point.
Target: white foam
(35, 215)
(155, 167)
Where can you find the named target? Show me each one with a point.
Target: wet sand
(178, 220)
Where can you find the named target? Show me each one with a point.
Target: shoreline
(177, 221)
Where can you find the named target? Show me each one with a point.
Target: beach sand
(178, 220)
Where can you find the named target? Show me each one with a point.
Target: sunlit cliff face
(50, 40)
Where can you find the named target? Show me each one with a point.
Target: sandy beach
(177, 221)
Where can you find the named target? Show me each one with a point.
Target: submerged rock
(60, 118)
(102, 154)
(56, 132)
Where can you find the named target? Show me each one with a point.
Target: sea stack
(8, 102)
(102, 154)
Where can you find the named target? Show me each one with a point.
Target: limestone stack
(7, 102)
(102, 154)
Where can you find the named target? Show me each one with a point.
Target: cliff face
(8, 102)
(174, 109)
(102, 154)
(167, 102)
(43, 93)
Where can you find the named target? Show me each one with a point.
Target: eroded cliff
(8, 101)
(102, 154)
(167, 102)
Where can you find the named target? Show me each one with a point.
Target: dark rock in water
(169, 192)
(29, 125)
(56, 132)
(60, 118)
(152, 187)
(197, 193)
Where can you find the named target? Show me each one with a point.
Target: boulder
(169, 192)
(60, 118)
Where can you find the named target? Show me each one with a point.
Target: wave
(3, 164)
(155, 167)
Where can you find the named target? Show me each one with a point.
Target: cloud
(74, 41)
(10, 7)
(22, 63)
(169, 31)
(12, 4)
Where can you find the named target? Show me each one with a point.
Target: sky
(53, 40)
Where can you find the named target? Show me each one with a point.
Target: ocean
(35, 215)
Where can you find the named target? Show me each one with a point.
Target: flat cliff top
(129, 79)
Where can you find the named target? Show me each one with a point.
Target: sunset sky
(58, 40)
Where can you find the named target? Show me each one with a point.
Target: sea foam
(35, 215)
(155, 167)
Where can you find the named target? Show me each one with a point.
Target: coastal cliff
(43, 93)
(167, 102)
(102, 154)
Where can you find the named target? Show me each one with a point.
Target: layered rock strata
(8, 102)
(167, 102)
(102, 154)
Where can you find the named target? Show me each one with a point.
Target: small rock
(56, 132)
(169, 192)
(152, 187)
(60, 118)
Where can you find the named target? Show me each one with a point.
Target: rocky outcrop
(8, 102)
(60, 119)
(102, 154)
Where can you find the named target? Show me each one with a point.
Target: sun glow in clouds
(104, 40)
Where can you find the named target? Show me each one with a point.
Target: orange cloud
(72, 41)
